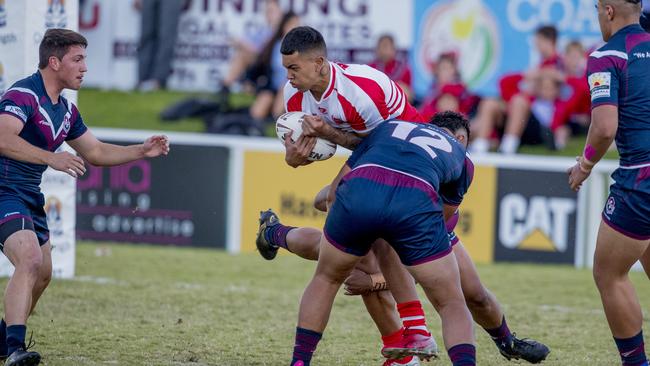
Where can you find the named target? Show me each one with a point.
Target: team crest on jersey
(600, 85)
(66, 123)
(322, 110)
(55, 16)
(610, 206)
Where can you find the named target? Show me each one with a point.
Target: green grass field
(142, 305)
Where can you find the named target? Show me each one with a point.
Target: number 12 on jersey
(435, 140)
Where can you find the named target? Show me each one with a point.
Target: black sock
(15, 337)
(3, 338)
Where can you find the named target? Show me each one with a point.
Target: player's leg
(645, 261)
(615, 255)
(22, 249)
(440, 280)
(402, 287)
(334, 265)
(487, 312)
(44, 275)
(273, 235)
(380, 305)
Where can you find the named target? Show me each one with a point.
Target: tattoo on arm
(348, 140)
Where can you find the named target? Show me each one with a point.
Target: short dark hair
(547, 31)
(453, 121)
(303, 39)
(56, 42)
(386, 37)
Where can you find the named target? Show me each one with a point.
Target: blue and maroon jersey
(433, 156)
(619, 75)
(46, 125)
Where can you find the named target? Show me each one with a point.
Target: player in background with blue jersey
(400, 184)
(619, 80)
(35, 119)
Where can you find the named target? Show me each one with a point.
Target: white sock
(509, 144)
(479, 146)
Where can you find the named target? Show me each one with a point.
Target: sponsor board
(179, 199)
(536, 217)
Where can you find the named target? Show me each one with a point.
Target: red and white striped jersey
(357, 99)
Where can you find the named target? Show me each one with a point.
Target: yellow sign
(477, 215)
(537, 240)
(270, 183)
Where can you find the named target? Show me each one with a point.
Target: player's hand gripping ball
(292, 121)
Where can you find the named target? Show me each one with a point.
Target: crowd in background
(545, 105)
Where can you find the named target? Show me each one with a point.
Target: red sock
(412, 316)
(393, 339)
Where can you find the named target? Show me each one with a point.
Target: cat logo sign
(536, 217)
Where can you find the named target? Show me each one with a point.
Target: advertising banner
(537, 217)
(476, 224)
(207, 30)
(492, 38)
(270, 183)
(179, 199)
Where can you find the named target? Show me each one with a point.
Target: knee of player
(30, 261)
(477, 299)
(45, 276)
(600, 276)
(332, 277)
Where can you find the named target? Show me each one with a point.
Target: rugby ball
(292, 121)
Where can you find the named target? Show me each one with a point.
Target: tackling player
(400, 184)
(34, 121)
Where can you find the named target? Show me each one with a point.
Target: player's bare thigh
(616, 253)
(22, 249)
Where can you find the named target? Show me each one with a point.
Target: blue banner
(494, 37)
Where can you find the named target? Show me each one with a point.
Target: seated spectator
(268, 76)
(447, 92)
(248, 48)
(576, 88)
(517, 93)
(386, 61)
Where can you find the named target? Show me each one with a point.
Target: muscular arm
(103, 154)
(316, 127)
(15, 147)
(348, 140)
(604, 123)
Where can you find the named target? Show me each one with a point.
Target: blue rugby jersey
(46, 125)
(422, 151)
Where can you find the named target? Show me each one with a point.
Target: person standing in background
(157, 41)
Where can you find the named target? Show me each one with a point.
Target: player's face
(73, 67)
(462, 136)
(303, 71)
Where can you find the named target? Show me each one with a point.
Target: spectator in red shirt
(388, 62)
(517, 94)
(448, 92)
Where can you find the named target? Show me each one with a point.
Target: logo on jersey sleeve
(17, 111)
(600, 84)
